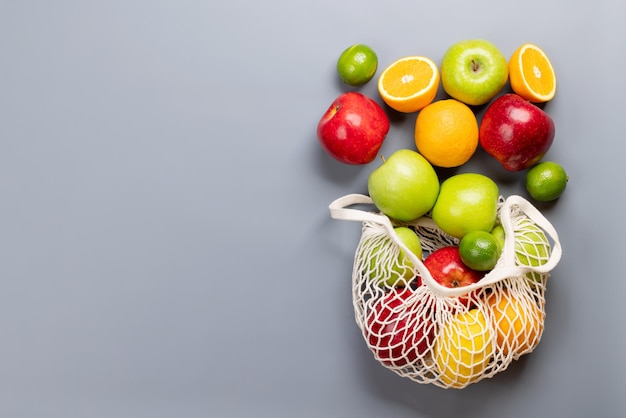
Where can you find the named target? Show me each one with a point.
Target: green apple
(474, 71)
(467, 202)
(399, 271)
(498, 234)
(532, 247)
(405, 186)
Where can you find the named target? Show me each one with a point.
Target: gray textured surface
(165, 244)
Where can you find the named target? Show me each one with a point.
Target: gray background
(165, 244)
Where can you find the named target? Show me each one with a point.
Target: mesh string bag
(449, 337)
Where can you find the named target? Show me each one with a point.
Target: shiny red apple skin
(448, 269)
(353, 128)
(516, 132)
(397, 335)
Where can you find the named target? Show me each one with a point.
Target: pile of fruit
(449, 280)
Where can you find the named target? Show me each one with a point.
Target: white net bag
(449, 337)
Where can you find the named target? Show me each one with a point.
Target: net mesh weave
(450, 337)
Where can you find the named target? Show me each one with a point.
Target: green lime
(546, 181)
(479, 250)
(357, 64)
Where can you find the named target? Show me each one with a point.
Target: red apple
(448, 269)
(515, 132)
(395, 331)
(353, 128)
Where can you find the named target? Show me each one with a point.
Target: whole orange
(517, 321)
(446, 133)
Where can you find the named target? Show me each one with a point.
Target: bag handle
(540, 220)
(508, 268)
(339, 209)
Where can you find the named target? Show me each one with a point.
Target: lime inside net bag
(449, 337)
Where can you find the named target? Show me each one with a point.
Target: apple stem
(382, 157)
(475, 66)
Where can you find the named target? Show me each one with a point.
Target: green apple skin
(405, 186)
(498, 234)
(467, 202)
(532, 248)
(474, 71)
(402, 271)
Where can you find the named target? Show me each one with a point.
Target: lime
(357, 64)
(479, 250)
(546, 181)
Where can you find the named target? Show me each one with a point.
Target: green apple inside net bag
(388, 263)
(532, 247)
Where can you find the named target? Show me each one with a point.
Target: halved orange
(531, 74)
(409, 84)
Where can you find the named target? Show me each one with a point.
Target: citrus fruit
(409, 83)
(463, 348)
(357, 64)
(388, 263)
(466, 202)
(480, 250)
(517, 321)
(531, 74)
(446, 133)
(546, 181)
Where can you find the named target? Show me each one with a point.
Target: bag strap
(540, 220)
(339, 209)
(512, 205)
